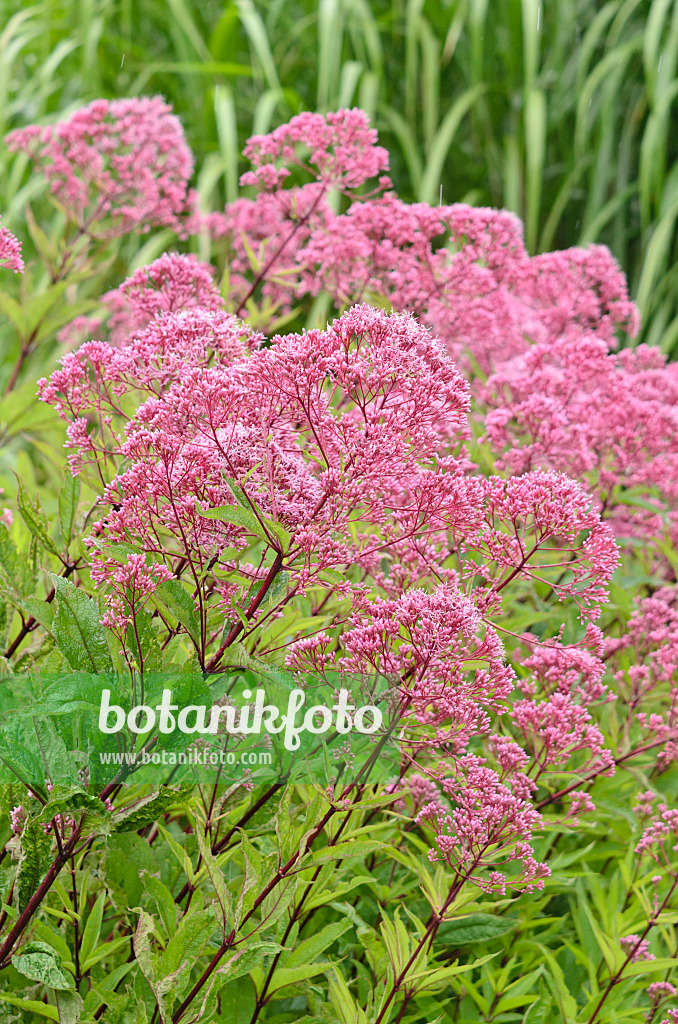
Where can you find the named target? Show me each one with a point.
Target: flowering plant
(446, 488)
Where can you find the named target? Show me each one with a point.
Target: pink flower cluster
(637, 948)
(491, 824)
(350, 462)
(169, 284)
(130, 586)
(10, 251)
(341, 150)
(543, 328)
(114, 166)
(645, 660)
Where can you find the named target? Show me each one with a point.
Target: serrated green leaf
(316, 944)
(31, 862)
(77, 629)
(343, 851)
(40, 962)
(474, 928)
(242, 961)
(284, 976)
(34, 517)
(176, 599)
(147, 810)
(237, 516)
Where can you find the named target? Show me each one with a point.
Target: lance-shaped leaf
(77, 630)
(34, 517)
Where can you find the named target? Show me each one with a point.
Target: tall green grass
(561, 110)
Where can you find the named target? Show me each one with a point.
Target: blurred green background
(562, 111)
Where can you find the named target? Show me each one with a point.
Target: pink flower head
(171, 283)
(17, 818)
(660, 838)
(637, 948)
(557, 729)
(114, 165)
(342, 150)
(10, 251)
(435, 647)
(555, 667)
(659, 990)
(542, 525)
(131, 584)
(269, 232)
(489, 827)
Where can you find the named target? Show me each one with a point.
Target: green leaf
(23, 764)
(31, 862)
(14, 565)
(312, 947)
(40, 962)
(68, 506)
(284, 976)
(148, 810)
(41, 304)
(331, 576)
(664, 963)
(71, 798)
(179, 603)
(105, 950)
(442, 975)
(32, 1006)
(343, 1002)
(164, 901)
(90, 935)
(77, 630)
(70, 1007)
(474, 928)
(237, 516)
(214, 871)
(343, 851)
(261, 526)
(244, 960)
(14, 313)
(34, 517)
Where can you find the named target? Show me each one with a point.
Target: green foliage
(218, 903)
(211, 902)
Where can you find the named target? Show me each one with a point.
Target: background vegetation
(561, 112)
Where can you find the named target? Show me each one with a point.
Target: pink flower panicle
(660, 838)
(659, 990)
(543, 525)
(342, 150)
(10, 251)
(171, 283)
(488, 827)
(131, 584)
(638, 948)
(115, 165)
(343, 454)
(17, 817)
